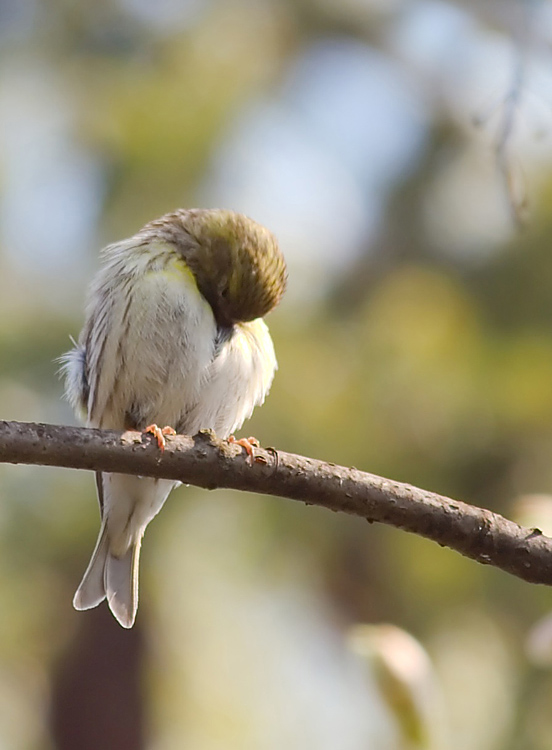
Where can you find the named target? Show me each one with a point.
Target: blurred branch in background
(522, 23)
(209, 462)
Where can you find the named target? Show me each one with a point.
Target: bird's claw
(249, 444)
(159, 434)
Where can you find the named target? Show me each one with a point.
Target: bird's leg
(249, 444)
(159, 433)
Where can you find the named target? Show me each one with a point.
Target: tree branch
(209, 462)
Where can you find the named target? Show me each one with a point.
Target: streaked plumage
(173, 335)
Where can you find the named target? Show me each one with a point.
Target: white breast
(239, 379)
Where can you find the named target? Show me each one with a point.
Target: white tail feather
(91, 590)
(111, 577)
(121, 584)
(128, 504)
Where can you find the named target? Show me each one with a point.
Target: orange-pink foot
(159, 434)
(249, 444)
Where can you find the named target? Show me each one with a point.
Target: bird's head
(237, 263)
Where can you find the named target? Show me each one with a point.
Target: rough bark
(206, 461)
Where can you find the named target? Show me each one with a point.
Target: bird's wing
(108, 314)
(101, 336)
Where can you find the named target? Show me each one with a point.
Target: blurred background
(402, 153)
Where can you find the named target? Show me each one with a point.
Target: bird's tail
(113, 577)
(127, 504)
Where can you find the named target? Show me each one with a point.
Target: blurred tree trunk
(97, 697)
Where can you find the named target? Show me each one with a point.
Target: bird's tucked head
(237, 264)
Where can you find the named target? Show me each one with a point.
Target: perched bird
(173, 336)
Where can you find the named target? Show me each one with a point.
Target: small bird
(173, 336)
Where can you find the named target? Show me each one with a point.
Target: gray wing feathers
(103, 320)
(99, 492)
(82, 365)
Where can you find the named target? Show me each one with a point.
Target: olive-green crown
(237, 263)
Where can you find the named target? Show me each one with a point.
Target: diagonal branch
(209, 462)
